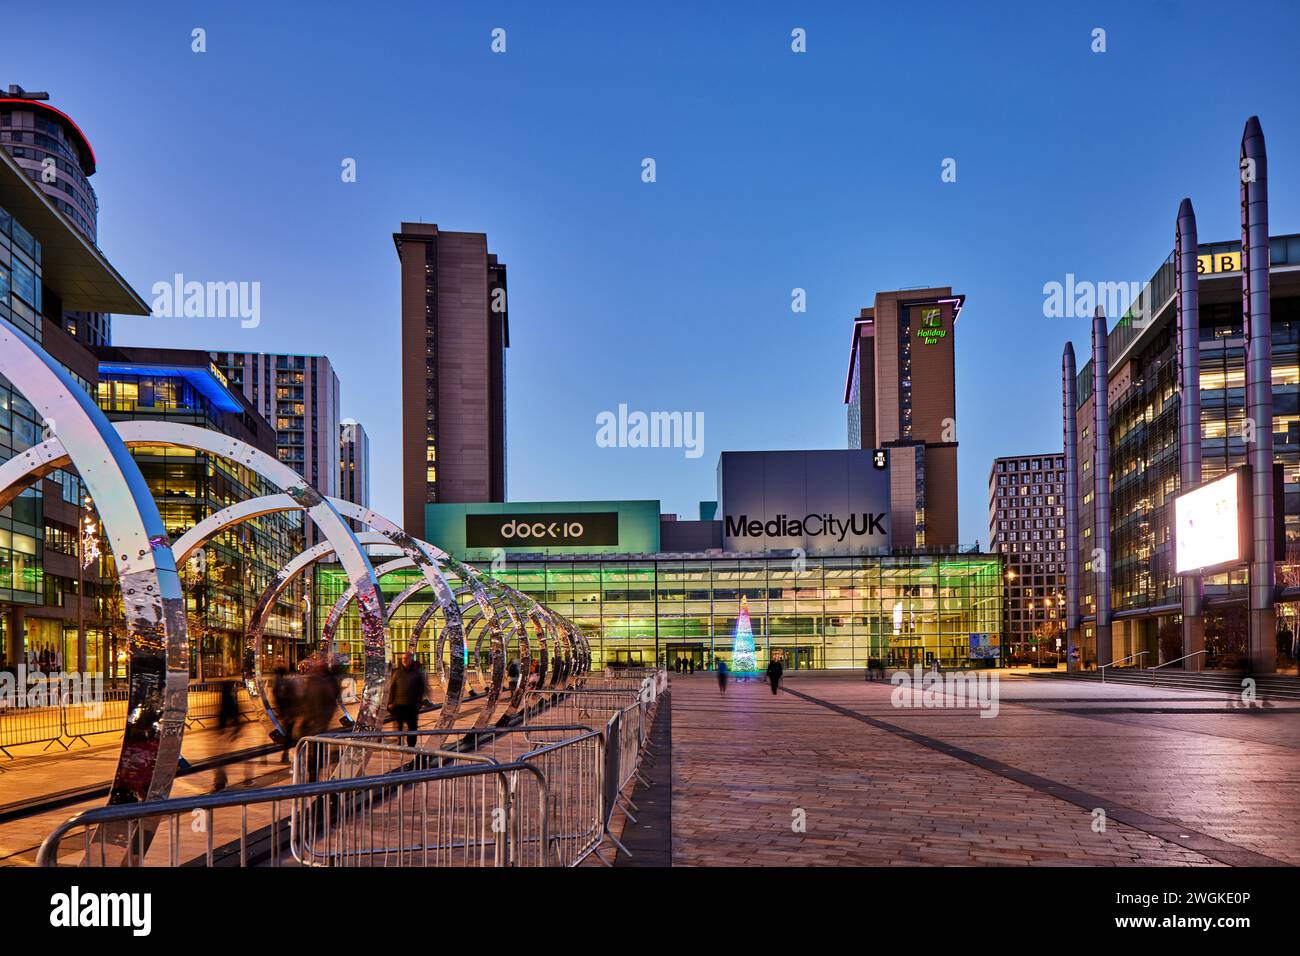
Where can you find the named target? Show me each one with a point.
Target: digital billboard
(1211, 525)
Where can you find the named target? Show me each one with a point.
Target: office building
(1027, 527)
(299, 396)
(803, 537)
(45, 259)
(222, 583)
(1143, 406)
(455, 330)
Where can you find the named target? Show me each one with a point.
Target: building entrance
(692, 655)
(794, 658)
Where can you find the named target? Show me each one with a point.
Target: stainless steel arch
(508, 611)
(51, 454)
(152, 600)
(257, 627)
(426, 557)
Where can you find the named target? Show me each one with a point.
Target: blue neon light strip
(201, 378)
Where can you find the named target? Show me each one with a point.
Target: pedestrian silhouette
(227, 725)
(774, 671)
(722, 677)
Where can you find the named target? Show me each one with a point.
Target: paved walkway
(831, 772)
(43, 775)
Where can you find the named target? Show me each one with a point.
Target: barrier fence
(541, 793)
(436, 817)
(573, 764)
(76, 719)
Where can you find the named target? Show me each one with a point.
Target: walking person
(285, 691)
(722, 677)
(407, 689)
(690, 663)
(774, 671)
(227, 725)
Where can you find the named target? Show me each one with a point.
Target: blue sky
(775, 170)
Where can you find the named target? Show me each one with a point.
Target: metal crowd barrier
(573, 766)
(70, 721)
(539, 794)
(85, 720)
(31, 725)
(205, 703)
(348, 757)
(627, 713)
(467, 816)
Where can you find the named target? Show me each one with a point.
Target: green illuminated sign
(931, 329)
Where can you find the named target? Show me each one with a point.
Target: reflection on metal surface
(152, 601)
(154, 605)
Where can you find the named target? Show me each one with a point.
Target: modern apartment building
(54, 152)
(1027, 527)
(299, 396)
(354, 462)
(901, 397)
(455, 330)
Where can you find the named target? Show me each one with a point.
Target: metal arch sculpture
(430, 560)
(303, 496)
(257, 627)
(152, 600)
(526, 606)
(509, 613)
(426, 557)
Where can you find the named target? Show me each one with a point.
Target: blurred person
(284, 689)
(319, 703)
(722, 677)
(407, 689)
(227, 724)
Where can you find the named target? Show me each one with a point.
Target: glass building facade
(223, 585)
(818, 612)
(1144, 412)
(21, 525)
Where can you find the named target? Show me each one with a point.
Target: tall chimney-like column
(1257, 324)
(1187, 312)
(1101, 485)
(1070, 427)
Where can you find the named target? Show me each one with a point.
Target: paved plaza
(831, 772)
(1183, 778)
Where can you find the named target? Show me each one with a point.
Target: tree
(742, 645)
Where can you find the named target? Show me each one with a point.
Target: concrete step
(1277, 687)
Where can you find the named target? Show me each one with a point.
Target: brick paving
(33, 775)
(943, 786)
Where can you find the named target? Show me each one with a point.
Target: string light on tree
(742, 646)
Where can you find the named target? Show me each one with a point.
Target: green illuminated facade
(816, 612)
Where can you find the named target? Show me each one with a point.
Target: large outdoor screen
(1209, 525)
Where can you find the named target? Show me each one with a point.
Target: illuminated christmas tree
(742, 647)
